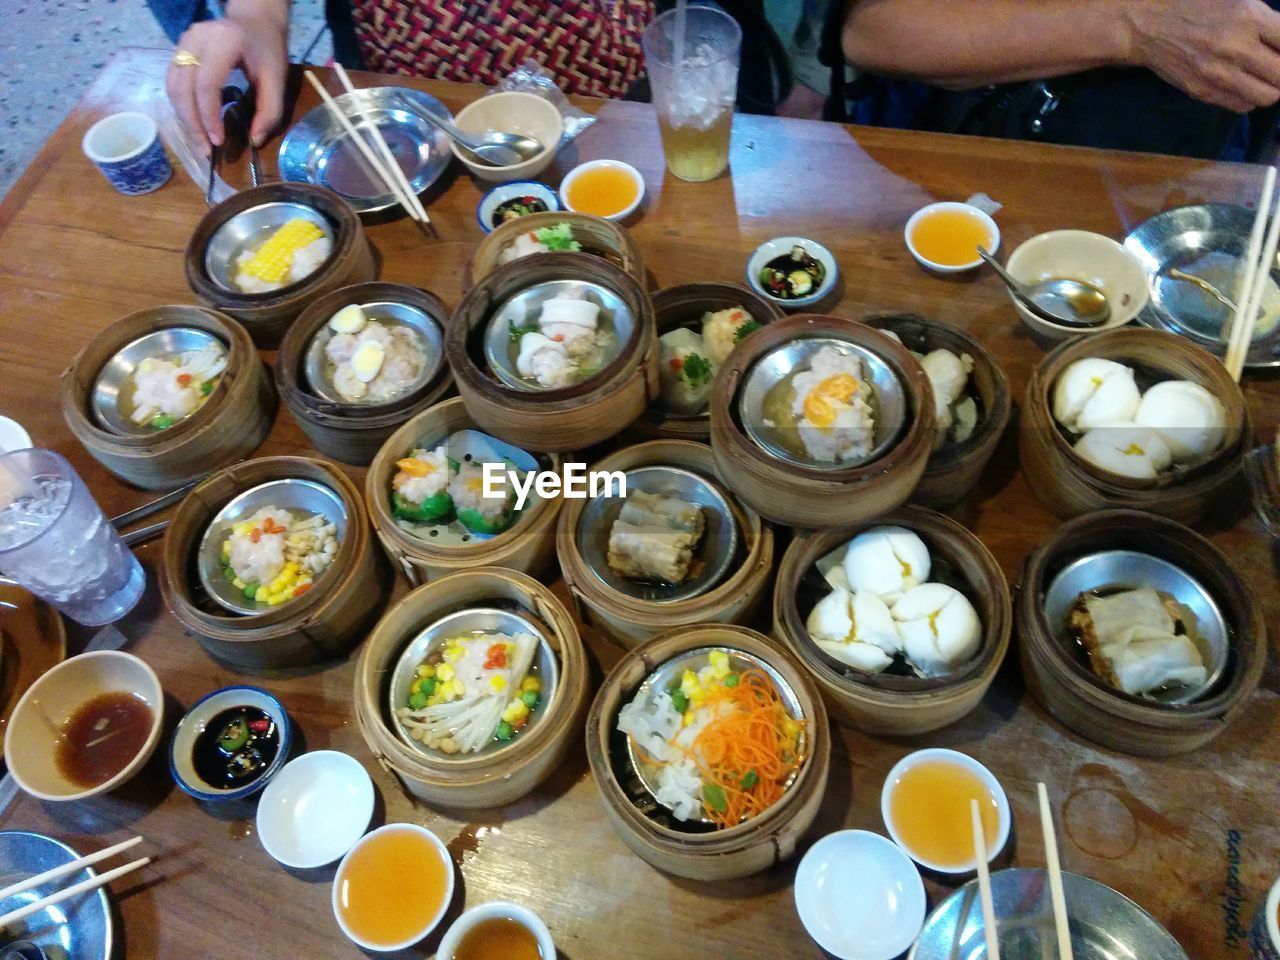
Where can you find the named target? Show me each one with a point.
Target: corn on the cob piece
(272, 261)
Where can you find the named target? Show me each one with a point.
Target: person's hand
(1224, 52)
(253, 35)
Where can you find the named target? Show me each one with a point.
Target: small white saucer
(315, 809)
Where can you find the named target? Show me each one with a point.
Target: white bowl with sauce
(117, 745)
(497, 911)
(989, 228)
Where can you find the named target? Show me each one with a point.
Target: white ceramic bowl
(315, 809)
(511, 112)
(499, 909)
(339, 879)
(626, 168)
(195, 722)
(503, 192)
(858, 895)
(992, 244)
(49, 703)
(1003, 817)
(13, 436)
(782, 245)
(1080, 255)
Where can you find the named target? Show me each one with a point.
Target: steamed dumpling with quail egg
(1190, 420)
(1095, 391)
(939, 628)
(885, 561)
(1126, 449)
(856, 629)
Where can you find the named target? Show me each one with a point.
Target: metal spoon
(1071, 303)
(493, 149)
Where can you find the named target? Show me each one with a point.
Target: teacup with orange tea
(944, 237)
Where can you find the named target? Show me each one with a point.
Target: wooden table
(1179, 836)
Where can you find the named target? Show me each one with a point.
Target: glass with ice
(694, 78)
(55, 541)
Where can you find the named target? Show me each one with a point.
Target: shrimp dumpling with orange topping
(420, 488)
(831, 404)
(481, 508)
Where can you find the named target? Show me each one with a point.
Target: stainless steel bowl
(112, 399)
(304, 496)
(1104, 924)
(1129, 569)
(716, 552)
(83, 931)
(889, 408)
(246, 231)
(1207, 240)
(525, 308)
(489, 620)
(671, 671)
(319, 371)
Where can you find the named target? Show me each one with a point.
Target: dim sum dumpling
(1190, 420)
(1093, 391)
(1132, 642)
(856, 629)
(685, 372)
(886, 561)
(720, 332)
(948, 374)
(939, 628)
(1125, 449)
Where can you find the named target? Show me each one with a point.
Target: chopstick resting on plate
(84, 886)
(1257, 270)
(1055, 876)
(984, 883)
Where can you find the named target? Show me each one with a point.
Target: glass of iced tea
(692, 56)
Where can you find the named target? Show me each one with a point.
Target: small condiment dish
(779, 246)
(197, 719)
(497, 910)
(504, 192)
(583, 168)
(511, 112)
(36, 724)
(1088, 257)
(315, 809)
(992, 242)
(938, 754)
(859, 896)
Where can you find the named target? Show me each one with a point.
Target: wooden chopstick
(72, 867)
(84, 886)
(388, 180)
(1055, 876)
(383, 147)
(984, 883)
(1240, 333)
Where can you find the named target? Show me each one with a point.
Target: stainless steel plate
(1104, 924)
(319, 370)
(303, 496)
(526, 307)
(249, 229)
(490, 620)
(1128, 569)
(671, 671)
(889, 409)
(1205, 240)
(715, 552)
(317, 150)
(112, 390)
(76, 929)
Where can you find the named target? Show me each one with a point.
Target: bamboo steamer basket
(598, 236)
(1070, 486)
(803, 496)
(483, 781)
(228, 427)
(1069, 691)
(322, 624)
(353, 432)
(890, 705)
(567, 418)
(954, 470)
(679, 307)
(267, 315)
(527, 547)
(734, 852)
(628, 621)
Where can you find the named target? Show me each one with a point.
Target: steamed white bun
(856, 629)
(1190, 420)
(939, 627)
(1094, 391)
(1125, 449)
(886, 561)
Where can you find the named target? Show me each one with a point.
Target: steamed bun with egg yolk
(939, 627)
(1125, 449)
(886, 561)
(856, 629)
(1189, 419)
(1094, 391)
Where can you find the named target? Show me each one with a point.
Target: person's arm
(1223, 52)
(253, 35)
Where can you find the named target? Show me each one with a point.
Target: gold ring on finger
(185, 58)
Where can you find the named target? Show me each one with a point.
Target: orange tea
(929, 808)
(949, 237)
(602, 191)
(392, 886)
(498, 938)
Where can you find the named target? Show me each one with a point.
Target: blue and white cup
(1264, 935)
(127, 148)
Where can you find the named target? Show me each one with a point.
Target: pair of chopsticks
(1055, 879)
(1257, 270)
(75, 866)
(387, 168)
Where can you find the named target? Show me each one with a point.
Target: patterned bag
(592, 47)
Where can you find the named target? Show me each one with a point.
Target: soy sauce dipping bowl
(718, 548)
(196, 721)
(389, 314)
(781, 246)
(249, 228)
(296, 495)
(460, 623)
(890, 412)
(110, 382)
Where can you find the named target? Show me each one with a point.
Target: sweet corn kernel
(426, 670)
(498, 684)
(530, 683)
(446, 672)
(273, 260)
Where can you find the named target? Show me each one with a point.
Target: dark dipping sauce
(102, 737)
(515, 208)
(235, 747)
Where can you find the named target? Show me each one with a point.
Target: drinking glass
(55, 541)
(694, 86)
